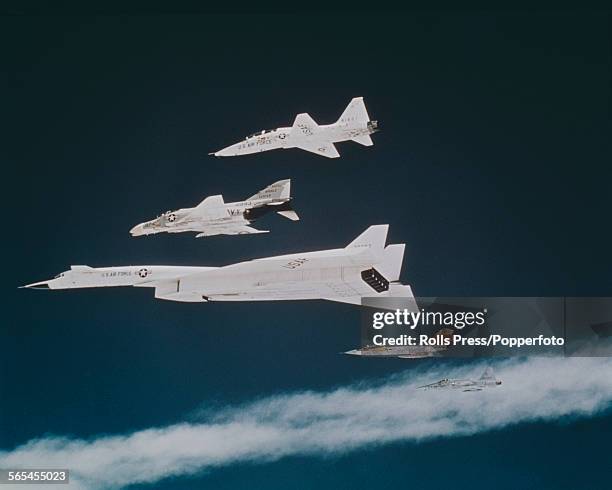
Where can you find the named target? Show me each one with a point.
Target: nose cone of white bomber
(38, 285)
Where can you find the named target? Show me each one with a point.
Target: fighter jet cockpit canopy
(159, 221)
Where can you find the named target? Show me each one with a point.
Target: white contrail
(323, 423)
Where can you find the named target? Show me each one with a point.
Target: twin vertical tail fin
(391, 264)
(374, 239)
(388, 259)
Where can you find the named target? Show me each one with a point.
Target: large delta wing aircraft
(404, 352)
(364, 268)
(213, 216)
(487, 380)
(354, 125)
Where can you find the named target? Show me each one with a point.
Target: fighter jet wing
(230, 229)
(432, 385)
(321, 148)
(245, 230)
(212, 207)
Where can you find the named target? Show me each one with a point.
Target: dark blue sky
(493, 166)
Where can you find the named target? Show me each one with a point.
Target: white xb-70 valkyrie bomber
(365, 268)
(215, 217)
(354, 125)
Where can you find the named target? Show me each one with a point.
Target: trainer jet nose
(229, 151)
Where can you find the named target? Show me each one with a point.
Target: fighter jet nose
(354, 352)
(136, 231)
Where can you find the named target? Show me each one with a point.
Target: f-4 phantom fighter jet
(354, 124)
(364, 268)
(487, 380)
(215, 217)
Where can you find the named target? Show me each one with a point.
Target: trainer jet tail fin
(355, 113)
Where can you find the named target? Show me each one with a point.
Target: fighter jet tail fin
(286, 209)
(488, 374)
(373, 239)
(355, 113)
(289, 214)
(278, 190)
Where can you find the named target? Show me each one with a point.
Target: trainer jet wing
(323, 148)
(304, 126)
(365, 268)
(304, 133)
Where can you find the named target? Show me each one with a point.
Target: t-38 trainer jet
(215, 217)
(487, 380)
(364, 268)
(354, 125)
